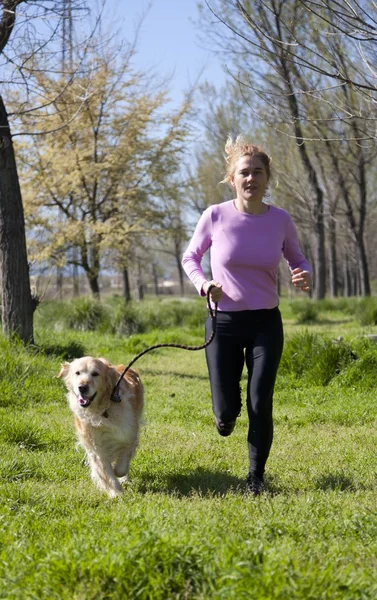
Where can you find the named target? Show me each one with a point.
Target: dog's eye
(95, 374)
(77, 373)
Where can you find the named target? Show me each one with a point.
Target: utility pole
(67, 35)
(67, 68)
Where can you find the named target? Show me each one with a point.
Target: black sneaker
(224, 429)
(254, 485)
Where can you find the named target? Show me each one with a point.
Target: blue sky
(169, 41)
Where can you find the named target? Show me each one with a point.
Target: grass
(184, 528)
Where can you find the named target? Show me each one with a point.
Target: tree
(16, 299)
(283, 58)
(99, 181)
(256, 34)
(353, 22)
(223, 115)
(18, 303)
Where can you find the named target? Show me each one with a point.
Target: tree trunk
(309, 256)
(356, 229)
(363, 269)
(75, 282)
(155, 280)
(94, 286)
(139, 283)
(126, 285)
(318, 209)
(333, 275)
(17, 302)
(91, 269)
(178, 257)
(75, 275)
(59, 283)
(181, 278)
(363, 272)
(347, 278)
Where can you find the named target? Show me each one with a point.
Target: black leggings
(254, 336)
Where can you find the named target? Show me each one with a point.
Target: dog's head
(89, 379)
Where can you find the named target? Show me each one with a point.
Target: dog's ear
(64, 370)
(112, 376)
(105, 362)
(111, 379)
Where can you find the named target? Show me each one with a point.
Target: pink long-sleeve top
(245, 251)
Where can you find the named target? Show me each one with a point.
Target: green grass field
(185, 527)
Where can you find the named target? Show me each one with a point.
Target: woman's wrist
(205, 287)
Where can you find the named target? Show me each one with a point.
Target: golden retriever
(107, 430)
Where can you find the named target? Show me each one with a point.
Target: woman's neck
(256, 207)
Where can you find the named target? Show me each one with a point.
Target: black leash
(115, 397)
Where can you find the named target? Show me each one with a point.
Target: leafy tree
(295, 72)
(224, 114)
(98, 183)
(20, 40)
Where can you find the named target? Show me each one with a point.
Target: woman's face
(250, 178)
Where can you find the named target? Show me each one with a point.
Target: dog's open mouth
(86, 400)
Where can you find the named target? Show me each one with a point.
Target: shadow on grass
(164, 373)
(67, 351)
(273, 487)
(334, 321)
(202, 482)
(211, 484)
(323, 322)
(335, 481)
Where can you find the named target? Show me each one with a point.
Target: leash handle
(213, 314)
(115, 396)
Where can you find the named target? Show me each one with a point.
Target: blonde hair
(242, 147)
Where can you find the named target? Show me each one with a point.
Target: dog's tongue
(84, 400)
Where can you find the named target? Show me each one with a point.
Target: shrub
(114, 316)
(341, 304)
(87, 314)
(182, 336)
(128, 320)
(328, 304)
(346, 305)
(361, 374)
(366, 311)
(307, 311)
(52, 313)
(315, 359)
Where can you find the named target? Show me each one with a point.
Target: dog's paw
(124, 479)
(114, 493)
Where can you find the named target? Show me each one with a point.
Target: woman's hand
(216, 292)
(302, 279)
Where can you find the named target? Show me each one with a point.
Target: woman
(246, 238)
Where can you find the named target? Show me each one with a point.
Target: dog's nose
(83, 388)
